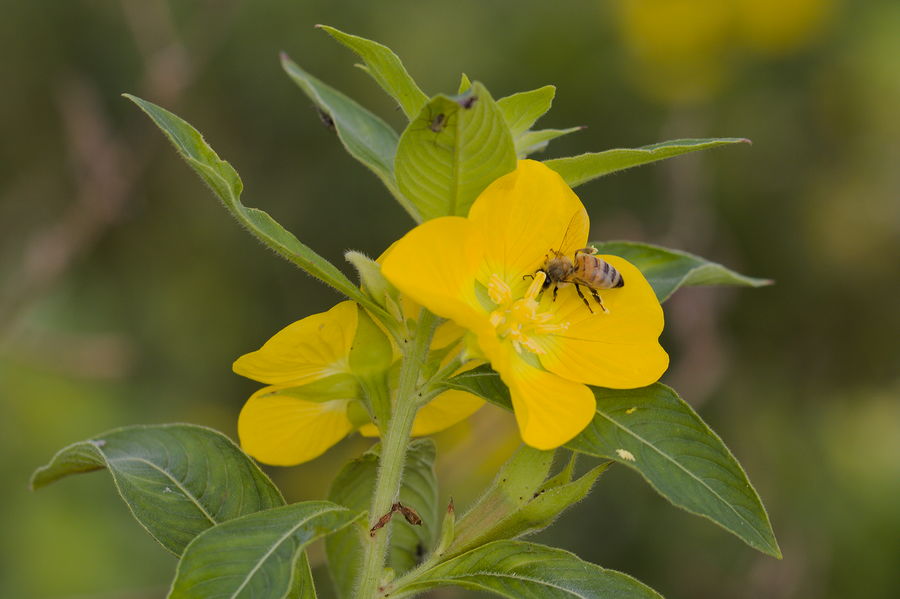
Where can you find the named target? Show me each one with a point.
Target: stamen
(519, 321)
(533, 346)
(536, 285)
(545, 329)
(498, 290)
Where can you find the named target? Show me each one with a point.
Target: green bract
(206, 501)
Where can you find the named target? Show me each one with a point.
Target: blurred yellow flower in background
(475, 271)
(684, 51)
(313, 369)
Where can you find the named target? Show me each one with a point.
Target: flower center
(520, 320)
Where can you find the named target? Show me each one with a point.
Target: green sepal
(258, 556)
(365, 136)
(225, 182)
(448, 530)
(353, 487)
(386, 68)
(654, 432)
(177, 479)
(517, 483)
(587, 167)
(451, 151)
(668, 270)
(371, 280)
(516, 569)
(371, 352)
(533, 512)
(336, 386)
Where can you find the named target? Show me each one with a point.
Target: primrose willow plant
(495, 295)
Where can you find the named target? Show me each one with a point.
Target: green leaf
(653, 431)
(453, 150)
(226, 184)
(586, 167)
(365, 136)
(177, 479)
(536, 141)
(516, 570)
(385, 67)
(668, 270)
(522, 110)
(257, 556)
(353, 487)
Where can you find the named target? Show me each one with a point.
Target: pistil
(520, 320)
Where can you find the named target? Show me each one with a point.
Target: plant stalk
(393, 456)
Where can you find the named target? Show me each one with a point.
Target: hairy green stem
(393, 455)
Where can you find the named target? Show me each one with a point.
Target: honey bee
(584, 269)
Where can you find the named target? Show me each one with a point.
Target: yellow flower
(313, 369)
(482, 273)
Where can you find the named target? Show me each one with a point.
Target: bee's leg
(584, 299)
(599, 301)
(588, 250)
(555, 291)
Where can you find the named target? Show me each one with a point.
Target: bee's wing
(576, 233)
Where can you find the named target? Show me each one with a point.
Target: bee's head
(557, 269)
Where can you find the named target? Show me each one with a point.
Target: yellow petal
(442, 412)
(283, 431)
(309, 349)
(550, 410)
(619, 349)
(524, 215)
(445, 410)
(369, 430)
(435, 265)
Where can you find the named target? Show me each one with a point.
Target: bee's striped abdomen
(596, 272)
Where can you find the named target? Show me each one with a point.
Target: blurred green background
(126, 292)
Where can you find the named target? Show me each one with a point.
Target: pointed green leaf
(536, 511)
(385, 67)
(668, 270)
(464, 84)
(586, 167)
(551, 500)
(177, 479)
(517, 570)
(530, 142)
(514, 487)
(353, 487)
(303, 584)
(226, 184)
(365, 136)
(522, 110)
(653, 431)
(453, 150)
(257, 556)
